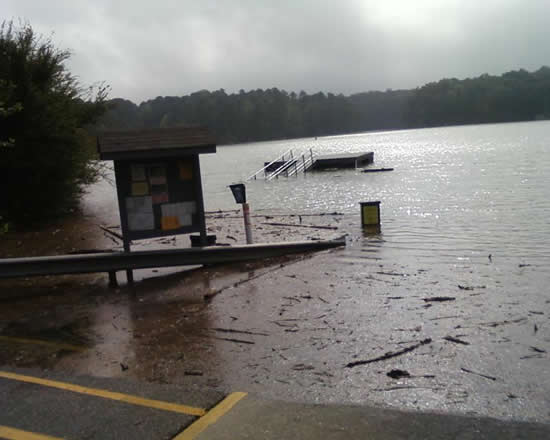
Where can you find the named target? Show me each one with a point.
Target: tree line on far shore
(259, 115)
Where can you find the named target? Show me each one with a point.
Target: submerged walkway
(43, 405)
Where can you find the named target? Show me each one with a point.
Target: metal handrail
(306, 163)
(303, 165)
(296, 168)
(279, 170)
(282, 156)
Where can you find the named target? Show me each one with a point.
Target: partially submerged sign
(158, 180)
(370, 216)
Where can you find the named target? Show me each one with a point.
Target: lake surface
(456, 192)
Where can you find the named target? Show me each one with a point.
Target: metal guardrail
(117, 261)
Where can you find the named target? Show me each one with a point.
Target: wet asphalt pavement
(61, 413)
(49, 405)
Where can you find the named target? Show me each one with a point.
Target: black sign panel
(159, 197)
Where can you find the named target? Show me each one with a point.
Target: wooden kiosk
(158, 181)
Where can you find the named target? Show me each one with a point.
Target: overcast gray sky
(145, 49)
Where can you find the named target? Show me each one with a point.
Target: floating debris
(303, 367)
(244, 332)
(397, 373)
(461, 287)
(479, 374)
(439, 299)
(456, 340)
(390, 354)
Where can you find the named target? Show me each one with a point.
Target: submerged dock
(290, 164)
(351, 160)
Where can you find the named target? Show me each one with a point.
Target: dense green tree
(46, 152)
(259, 115)
(514, 96)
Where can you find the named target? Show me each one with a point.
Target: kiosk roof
(156, 142)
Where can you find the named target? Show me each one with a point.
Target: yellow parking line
(16, 434)
(211, 417)
(41, 342)
(127, 398)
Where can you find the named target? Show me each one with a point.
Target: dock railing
(281, 158)
(286, 163)
(304, 163)
(284, 167)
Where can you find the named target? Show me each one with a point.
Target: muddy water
(463, 253)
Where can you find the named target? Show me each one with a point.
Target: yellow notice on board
(140, 189)
(186, 170)
(169, 222)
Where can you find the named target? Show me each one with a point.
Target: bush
(45, 151)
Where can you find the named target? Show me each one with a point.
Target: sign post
(247, 225)
(239, 192)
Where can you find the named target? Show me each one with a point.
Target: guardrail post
(129, 272)
(113, 283)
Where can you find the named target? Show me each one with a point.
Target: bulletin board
(159, 197)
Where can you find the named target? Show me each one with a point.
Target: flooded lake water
(462, 255)
(456, 192)
(465, 216)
